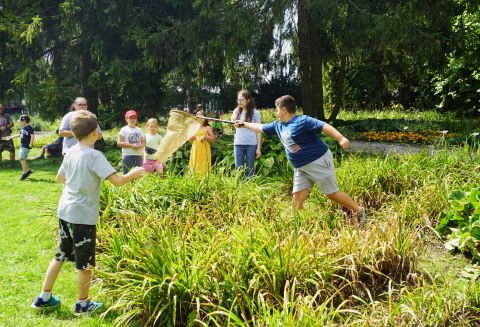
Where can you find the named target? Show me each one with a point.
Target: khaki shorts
(320, 172)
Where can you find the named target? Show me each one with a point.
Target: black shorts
(7, 146)
(76, 243)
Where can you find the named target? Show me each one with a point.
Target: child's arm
(121, 143)
(31, 141)
(253, 126)
(210, 137)
(258, 152)
(8, 138)
(118, 180)
(60, 178)
(332, 131)
(65, 133)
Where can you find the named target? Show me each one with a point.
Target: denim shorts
(320, 172)
(23, 153)
(130, 161)
(77, 244)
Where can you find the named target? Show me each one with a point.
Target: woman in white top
(246, 142)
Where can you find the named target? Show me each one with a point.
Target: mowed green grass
(28, 229)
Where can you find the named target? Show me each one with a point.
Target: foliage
(226, 251)
(461, 224)
(458, 84)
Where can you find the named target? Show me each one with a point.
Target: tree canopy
(153, 55)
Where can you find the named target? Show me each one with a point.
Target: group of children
(136, 145)
(83, 169)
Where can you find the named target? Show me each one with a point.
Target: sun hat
(24, 118)
(131, 113)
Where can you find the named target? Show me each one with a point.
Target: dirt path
(377, 147)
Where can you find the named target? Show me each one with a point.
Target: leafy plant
(461, 223)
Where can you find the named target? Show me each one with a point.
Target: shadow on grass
(60, 313)
(66, 314)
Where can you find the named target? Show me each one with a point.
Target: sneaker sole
(45, 308)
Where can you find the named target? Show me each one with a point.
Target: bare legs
(51, 275)
(83, 279)
(342, 198)
(25, 166)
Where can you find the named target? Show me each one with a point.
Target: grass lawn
(28, 230)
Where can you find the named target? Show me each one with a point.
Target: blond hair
(83, 123)
(152, 120)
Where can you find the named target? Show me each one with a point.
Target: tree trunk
(311, 63)
(89, 93)
(339, 83)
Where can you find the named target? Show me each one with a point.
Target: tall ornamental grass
(225, 251)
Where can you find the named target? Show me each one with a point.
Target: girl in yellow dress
(200, 154)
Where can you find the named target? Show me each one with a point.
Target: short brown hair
(83, 123)
(288, 102)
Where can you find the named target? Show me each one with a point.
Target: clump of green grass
(225, 251)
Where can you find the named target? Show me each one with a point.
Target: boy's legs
(51, 275)
(83, 279)
(24, 164)
(23, 160)
(345, 200)
(321, 172)
(299, 198)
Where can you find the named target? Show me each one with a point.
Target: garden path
(380, 147)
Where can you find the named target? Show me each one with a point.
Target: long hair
(250, 106)
(200, 113)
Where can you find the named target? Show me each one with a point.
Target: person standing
(152, 142)
(246, 142)
(6, 124)
(27, 136)
(82, 172)
(201, 155)
(312, 160)
(65, 131)
(132, 141)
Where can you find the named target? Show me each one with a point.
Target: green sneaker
(39, 304)
(88, 309)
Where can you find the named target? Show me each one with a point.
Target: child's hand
(138, 172)
(344, 143)
(192, 138)
(238, 124)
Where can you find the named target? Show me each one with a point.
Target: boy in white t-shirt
(132, 141)
(153, 140)
(82, 171)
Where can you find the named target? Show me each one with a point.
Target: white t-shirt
(152, 141)
(84, 169)
(68, 142)
(245, 136)
(132, 135)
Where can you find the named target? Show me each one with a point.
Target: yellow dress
(200, 154)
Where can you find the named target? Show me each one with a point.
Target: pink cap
(131, 113)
